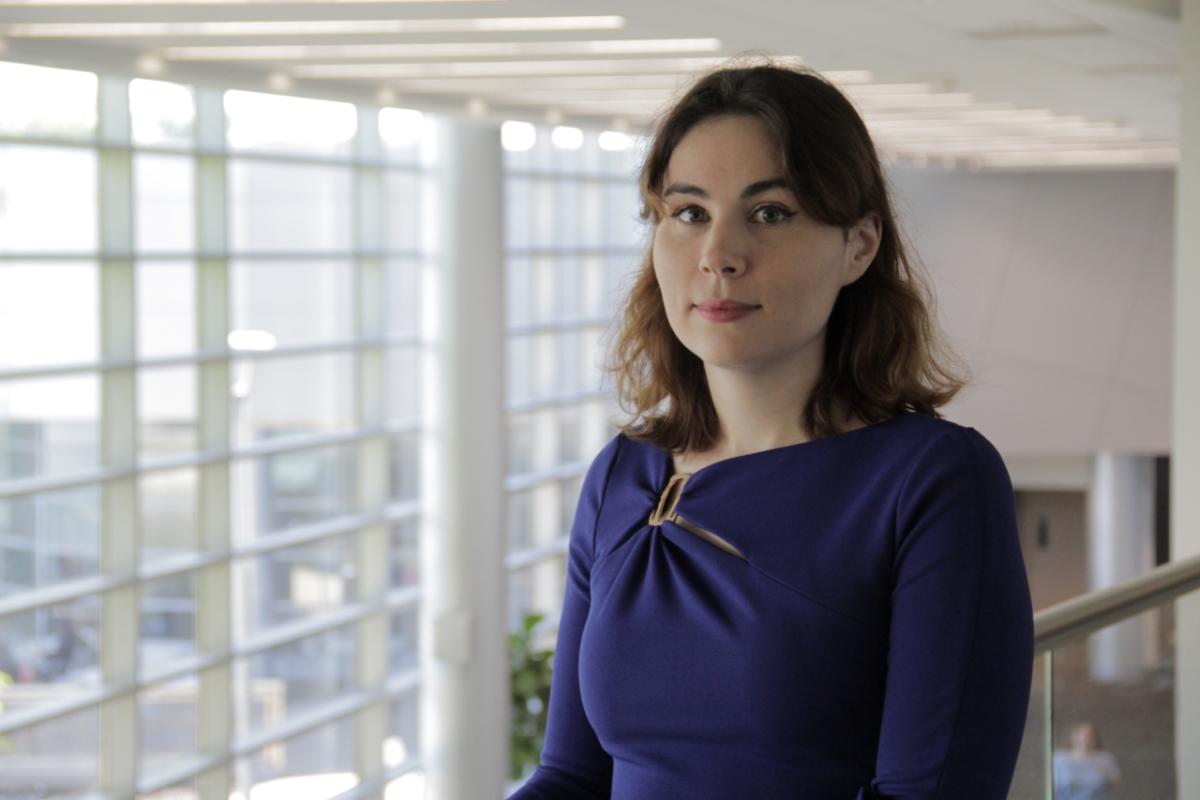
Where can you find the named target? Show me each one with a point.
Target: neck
(761, 409)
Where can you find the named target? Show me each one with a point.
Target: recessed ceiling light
(565, 137)
(279, 81)
(150, 65)
(307, 27)
(517, 136)
(615, 141)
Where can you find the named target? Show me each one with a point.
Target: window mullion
(215, 702)
(371, 551)
(119, 543)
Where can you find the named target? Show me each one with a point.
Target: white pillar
(1185, 445)
(465, 717)
(1120, 547)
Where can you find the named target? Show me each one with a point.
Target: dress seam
(603, 496)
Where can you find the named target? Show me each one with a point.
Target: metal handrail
(1079, 616)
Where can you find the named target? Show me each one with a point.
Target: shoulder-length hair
(883, 352)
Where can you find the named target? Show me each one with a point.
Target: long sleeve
(573, 765)
(960, 652)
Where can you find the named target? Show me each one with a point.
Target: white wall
(1056, 288)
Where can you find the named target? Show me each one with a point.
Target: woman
(788, 577)
(1086, 771)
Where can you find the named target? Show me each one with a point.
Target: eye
(772, 215)
(683, 214)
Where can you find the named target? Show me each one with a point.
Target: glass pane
(161, 112)
(47, 538)
(298, 676)
(404, 296)
(536, 589)
(517, 219)
(625, 227)
(49, 312)
(403, 640)
(405, 474)
(167, 411)
(168, 508)
(274, 493)
(287, 208)
(168, 612)
(404, 383)
(405, 199)
(294, 394)
(52, 653)
(313, 766)
(405, 553)
(404, 131)
(164, 199)
(279, 123)
(1029, 777)
(49, 426)
(1114, 705)
(296, 582)
(404, 730)
(41, 101)
(521, 438)
(47, 199)
(56, 759)
(166, 300)
(296, 302)
(409, 786)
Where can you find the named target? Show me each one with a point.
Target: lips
(725, 305)
(724, 310)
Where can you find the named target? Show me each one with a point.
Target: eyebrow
(758, 187)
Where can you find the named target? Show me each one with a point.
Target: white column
(1120, 547)
(1185, 445)
(465, 716)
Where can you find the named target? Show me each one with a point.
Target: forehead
(735, 150)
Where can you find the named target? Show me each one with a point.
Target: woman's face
(731, 229)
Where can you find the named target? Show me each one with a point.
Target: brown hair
(883, 352)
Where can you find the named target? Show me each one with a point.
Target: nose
(725, 248)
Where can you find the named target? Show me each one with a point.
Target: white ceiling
(1112, 63)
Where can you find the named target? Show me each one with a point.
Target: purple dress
(843, 618)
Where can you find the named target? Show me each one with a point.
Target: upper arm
(960, 653)
(573, 764)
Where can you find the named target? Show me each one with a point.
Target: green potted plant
(530, 671)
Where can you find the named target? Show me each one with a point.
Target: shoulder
(602, 463)
(943, 446)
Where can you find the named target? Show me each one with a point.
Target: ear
(862, 243)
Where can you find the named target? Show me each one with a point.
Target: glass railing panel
(1029, 778)
(1113, 709)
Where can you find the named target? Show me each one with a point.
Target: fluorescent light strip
(973, 139)
(916, 100)
(1031, 143)
(439, 49)
(68, 30)
(165, 3)
(494, 68)
(1081, 158)
(877, 89)
(666, 82)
